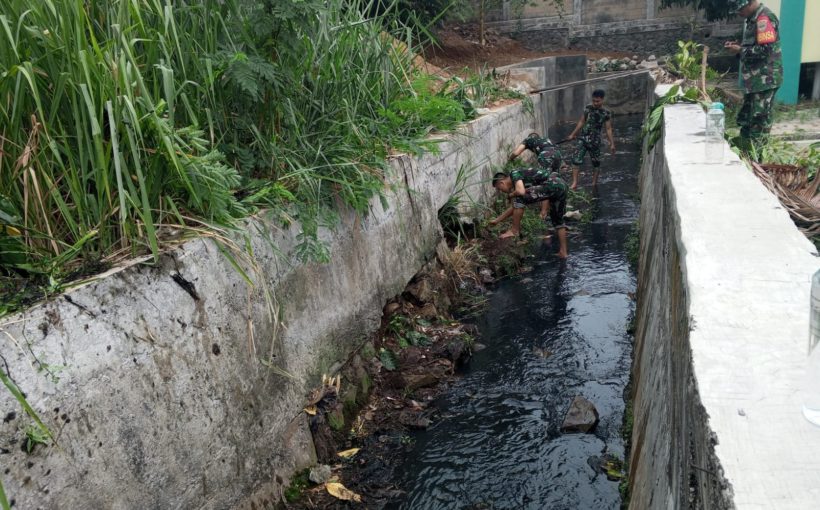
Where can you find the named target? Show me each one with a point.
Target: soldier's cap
(737, 5)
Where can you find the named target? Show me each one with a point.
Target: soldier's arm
(503, 216)
(609, 135)
(756, 53)
(545, 207)
(578, 127)
(519, 190)
(517, 152)
(767, 34)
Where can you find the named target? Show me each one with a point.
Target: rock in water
(319, 474)
(581, 417)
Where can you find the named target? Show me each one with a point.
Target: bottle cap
(716, 106)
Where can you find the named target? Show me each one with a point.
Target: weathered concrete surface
(639, 26)
(556, 70)
(159, 398)
(721, 339)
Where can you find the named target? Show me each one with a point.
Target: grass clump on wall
(125, 122)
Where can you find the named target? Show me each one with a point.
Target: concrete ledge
(552, 71)
(721, 337)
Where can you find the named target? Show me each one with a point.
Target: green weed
(298, 484)
(34, 436)
(4, 501)
(632, 245)
(653, 124)
(388, 359)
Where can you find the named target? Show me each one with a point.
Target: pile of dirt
(457, 46)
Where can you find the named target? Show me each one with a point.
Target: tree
(714, 9)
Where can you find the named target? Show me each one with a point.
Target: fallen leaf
(311, 410)
(339, 491)
(348, 453)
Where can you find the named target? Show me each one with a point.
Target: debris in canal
(581, 416)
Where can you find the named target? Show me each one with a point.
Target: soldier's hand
(612, 149)
(732, 46)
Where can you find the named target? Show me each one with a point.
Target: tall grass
(119, 118)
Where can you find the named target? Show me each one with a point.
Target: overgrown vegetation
(687, 61)
(652, 126)
(133, 123)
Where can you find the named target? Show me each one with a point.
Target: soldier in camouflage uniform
(761, 69)
(526, 186)
(546, 153)
(594, 118)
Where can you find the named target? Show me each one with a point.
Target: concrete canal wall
(721, 337)
(177, 385)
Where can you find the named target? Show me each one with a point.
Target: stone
(486, 276)
(520, 87)
(391, 308)
(428, 311)
(414, 420)
(651, 58)
(647, 64)
(623, 67)
(634, 57)
(604, 61)
(581, 416)
(482, 111)
(319, 474)
(415, 381)
(478, 347)
(573, 215)
(422, 291)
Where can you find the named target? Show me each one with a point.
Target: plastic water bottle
(811, 386)
(715, 122)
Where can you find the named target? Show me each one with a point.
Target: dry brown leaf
(311, 410)
(348, 453)
(339, 491)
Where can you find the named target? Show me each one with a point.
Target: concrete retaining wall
(163, 401)
(721, 336)
(150, 377)
(635, 26)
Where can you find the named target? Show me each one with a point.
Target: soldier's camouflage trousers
(591, 144)
(755, 116)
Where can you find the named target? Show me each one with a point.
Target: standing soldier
(592, 121)
(761, 69)
(546, 152)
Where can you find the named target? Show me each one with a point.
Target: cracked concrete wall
(721, 332)
(150, 376)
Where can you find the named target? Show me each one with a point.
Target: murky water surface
(497, 442)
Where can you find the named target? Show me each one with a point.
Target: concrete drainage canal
(494, 436)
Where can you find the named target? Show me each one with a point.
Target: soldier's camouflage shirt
(761, 58)
(546, 152)
(595, 118)
(551, 183)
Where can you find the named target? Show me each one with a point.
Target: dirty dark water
(497, 443)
